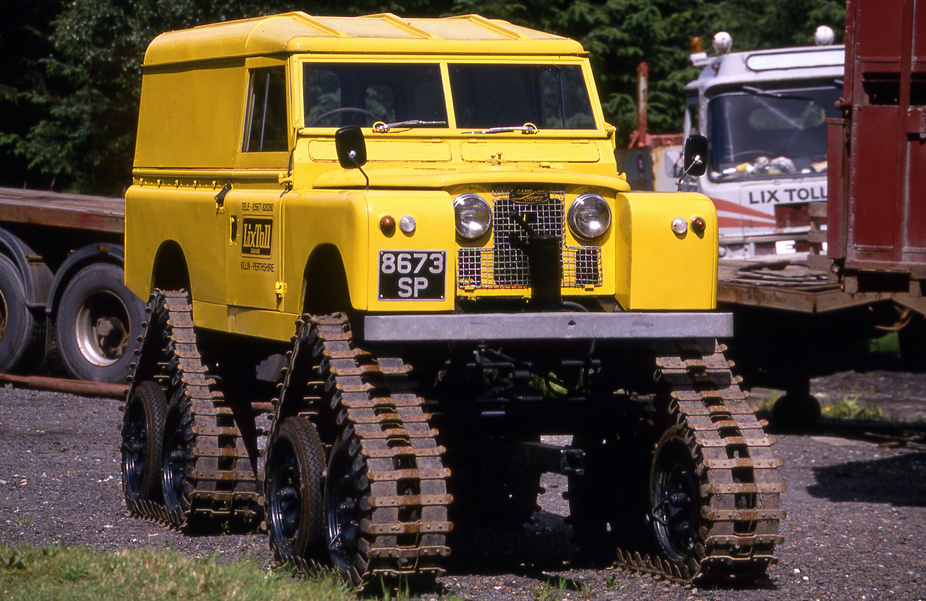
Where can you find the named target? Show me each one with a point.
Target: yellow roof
(297, 32)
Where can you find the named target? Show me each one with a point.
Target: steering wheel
(346, 109)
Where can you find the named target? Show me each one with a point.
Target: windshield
(759, 133)
(547, 96)
(485, 96)
(339, 94)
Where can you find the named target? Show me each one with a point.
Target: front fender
(657, 269)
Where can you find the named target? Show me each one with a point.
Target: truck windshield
(505, 96)
(761, 133)
(339, 94)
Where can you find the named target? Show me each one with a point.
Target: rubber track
(739, 484)
(405, 511)
(222, 476)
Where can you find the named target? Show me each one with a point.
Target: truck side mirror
(351, 147)
(695, 155)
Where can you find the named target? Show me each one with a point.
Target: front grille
(505, 265)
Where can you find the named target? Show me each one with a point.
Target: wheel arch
(170, 270)
(114, 254)
(325, 288)
(37, 277)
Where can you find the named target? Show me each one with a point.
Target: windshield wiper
(382, 128)
(761, 92)
(529, 128)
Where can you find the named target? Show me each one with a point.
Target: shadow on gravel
(544, 544)
(539, 550)
(897, 481)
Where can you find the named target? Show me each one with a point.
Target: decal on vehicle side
(256, 236)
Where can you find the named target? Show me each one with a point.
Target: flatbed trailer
(63, 305)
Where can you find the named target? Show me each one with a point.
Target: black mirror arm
(697, 161)
(352, 155)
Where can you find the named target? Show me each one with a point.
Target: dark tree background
(70, 70)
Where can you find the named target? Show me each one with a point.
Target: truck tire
(21, 334)
(98, 324)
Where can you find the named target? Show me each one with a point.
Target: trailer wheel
(295, 499)
(98, 324)
(142, 431)
(21, 334)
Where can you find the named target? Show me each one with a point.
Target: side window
(265, 130)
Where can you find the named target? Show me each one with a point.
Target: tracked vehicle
(384, 257)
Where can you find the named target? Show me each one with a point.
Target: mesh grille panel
(505, 265)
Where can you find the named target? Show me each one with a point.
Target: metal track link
(222, 473)
(373, 407)
(739, 487)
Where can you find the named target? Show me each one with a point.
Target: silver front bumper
(546, 326)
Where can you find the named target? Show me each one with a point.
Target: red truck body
(877, 154)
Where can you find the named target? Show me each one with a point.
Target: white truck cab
(764, 113)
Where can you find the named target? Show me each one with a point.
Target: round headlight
(589, 217)
(473, 216)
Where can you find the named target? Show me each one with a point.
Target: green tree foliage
(70, 70)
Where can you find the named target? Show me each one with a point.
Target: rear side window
(265, 130)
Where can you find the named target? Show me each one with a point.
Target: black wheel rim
(174, 466)
(674, 501)
(134, 448)
(342, 508)
(284, 492)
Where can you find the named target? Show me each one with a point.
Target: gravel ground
(856, 526)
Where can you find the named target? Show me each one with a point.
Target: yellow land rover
(384, 257)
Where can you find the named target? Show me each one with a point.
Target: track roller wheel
(142, 433)
(675, 499)
(294, 491)
(176, 454)
(345, 488)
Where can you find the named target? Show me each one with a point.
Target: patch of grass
(611, 583)
(889, 343)
(22, 520)
(65, 574)
(550, 592)
(849, 408)
(764, 406)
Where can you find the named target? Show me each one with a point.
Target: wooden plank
(92, 213)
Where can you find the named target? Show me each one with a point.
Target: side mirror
(695, 155)
(351, 147)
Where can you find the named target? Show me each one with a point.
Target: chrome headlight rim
(474, 203)
(580, 227)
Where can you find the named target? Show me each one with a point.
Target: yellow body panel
(658, 269)
(268, 232)
(190, 130)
